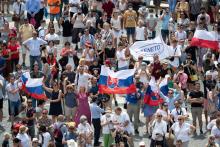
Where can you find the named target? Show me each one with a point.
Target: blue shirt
(170, 101)
(165, 22)
(33, 6)
(96, 111)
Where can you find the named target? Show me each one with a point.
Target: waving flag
(152, 97)
(203, 38)
(120, 82)
(33, 87)
(164, 86)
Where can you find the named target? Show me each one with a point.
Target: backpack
(58, 135)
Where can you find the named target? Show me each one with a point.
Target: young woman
(108, 39)
(55, 101)
(83, 106)
(68, 55)
(116, 24)
(14, 47)
(53, 64)
(51, 49)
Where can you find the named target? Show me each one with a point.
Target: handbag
(15, 17)
(193, 77)
(33, 21)
(112, 131)
(172, 58)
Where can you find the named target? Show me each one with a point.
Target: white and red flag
(205, 39)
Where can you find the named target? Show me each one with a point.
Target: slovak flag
(152, 97)
(33, 86)
(205, 39)
(120, 82)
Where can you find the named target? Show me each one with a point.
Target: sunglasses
(170, 92)
(159, 115)
(180, 119)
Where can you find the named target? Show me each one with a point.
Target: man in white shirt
(74, 5)
(122, 121)
(13, 96)
(52, 36)
(33, 46)
(159, 129)
(178, 111)
(216, 131)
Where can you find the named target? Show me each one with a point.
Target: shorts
(130, 30)
(52, 16)
(70, 111)
(157, 2)
(1, 103)
(15, 107)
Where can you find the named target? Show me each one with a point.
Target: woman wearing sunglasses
(182, 131)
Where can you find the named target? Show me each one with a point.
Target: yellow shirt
(130, 19)
(26, 31)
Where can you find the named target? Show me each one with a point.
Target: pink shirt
(182, 79)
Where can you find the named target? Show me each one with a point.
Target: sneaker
(201, 132)
(136, 131)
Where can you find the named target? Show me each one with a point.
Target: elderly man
(33, 46)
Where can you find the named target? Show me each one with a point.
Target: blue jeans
(15, 107)
(32, 61)
(52, 16)
(172, 5)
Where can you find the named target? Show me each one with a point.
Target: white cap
(142, 143)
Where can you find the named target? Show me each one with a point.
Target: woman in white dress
(116, 25)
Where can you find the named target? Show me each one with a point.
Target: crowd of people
(68, 54)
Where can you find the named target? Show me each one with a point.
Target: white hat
(35, 140)
(142, 143)
(71, 143)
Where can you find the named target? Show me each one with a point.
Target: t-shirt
(70, 100)
(108, 8)
(121, 59)
(26, 31)
(130, 19)
(196, 94)
(165, 22)
(15, 49)
(30, 112)
(56, 8)
(44, 139)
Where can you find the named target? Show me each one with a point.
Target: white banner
(149, 48)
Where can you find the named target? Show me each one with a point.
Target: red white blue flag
(152, 97)
(120, 82)
(33, 86)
